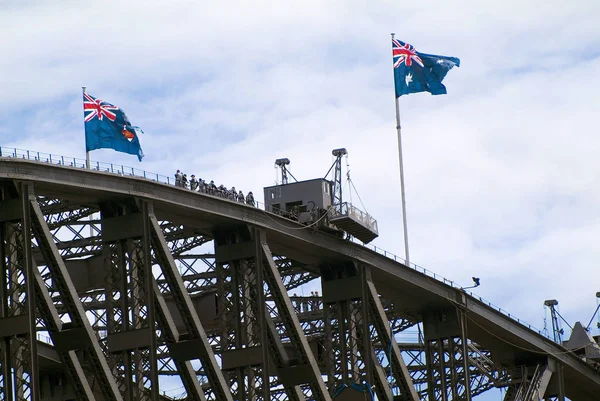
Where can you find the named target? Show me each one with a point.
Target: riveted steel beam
(62, 283)
(34, 381)
(383, 329)
(186, 309)
(290, 320)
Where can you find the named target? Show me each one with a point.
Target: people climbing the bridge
(193, 183)
(212, 188)
(250, 199)
(199, 185)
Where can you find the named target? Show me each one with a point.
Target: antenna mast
(337, 181)
(284, 172)
(556, 330)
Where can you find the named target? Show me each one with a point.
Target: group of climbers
(199, 185)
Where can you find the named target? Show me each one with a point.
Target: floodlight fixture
(282, 162)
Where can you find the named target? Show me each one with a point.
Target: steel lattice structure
(113, 287)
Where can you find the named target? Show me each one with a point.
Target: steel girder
(196, 337)
(76, 231)
(37, 287)
(212, 214)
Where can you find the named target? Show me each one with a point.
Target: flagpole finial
(83, 88)
(393, 34)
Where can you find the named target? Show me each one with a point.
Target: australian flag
(419, 72)
(107, 126)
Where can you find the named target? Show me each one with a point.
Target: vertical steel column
(453, 373)
(7, 390)
(30, 283)
(342, 310)
(262, 319)
(328, 332)
(137, 281)
(430, 361)
(442, 361)
(465, 353)
(124, 302)
(149, 289)
(561, 381)
(111, 322)
(366, 332)
(353, 341)
(250, 305)
(235, 296)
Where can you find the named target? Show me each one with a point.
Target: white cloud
(500, 173)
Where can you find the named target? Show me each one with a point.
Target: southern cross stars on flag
(419, 72)
(107, 126)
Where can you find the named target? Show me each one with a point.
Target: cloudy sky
(501, 173)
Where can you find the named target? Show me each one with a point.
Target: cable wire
(524, 348)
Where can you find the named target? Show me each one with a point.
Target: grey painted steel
(70, 299)
(281, 357)
(262, 312)
(297, 337)
(186, 309)
(14, 325)
(7, 391)
(465, 353)
(368, 358)
(68, 357)
(284, 235)
(184, 366)
(317, 191)
(149, 291)
(34, 380)
(544, 381)
(401, 371)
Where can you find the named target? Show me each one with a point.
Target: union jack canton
(419, 72)
(107, 126)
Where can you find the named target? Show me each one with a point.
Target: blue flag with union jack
(419, 72)
(107, 126)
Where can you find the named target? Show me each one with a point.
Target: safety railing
(44, 338)
(81, 163)
(451, 283)
(131, 171)
(347, 209)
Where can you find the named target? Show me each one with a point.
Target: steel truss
(216, 311)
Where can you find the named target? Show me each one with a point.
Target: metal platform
(354, 221)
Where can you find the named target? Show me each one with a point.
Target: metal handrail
(347, 209)
(133, 172)
(451, 283)
(81, 163)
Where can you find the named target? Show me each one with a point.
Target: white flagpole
(399, 130)
(87, 165)
(87, 153)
